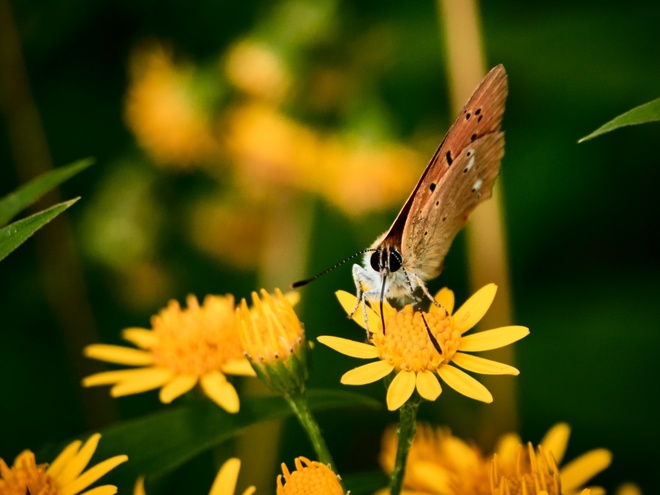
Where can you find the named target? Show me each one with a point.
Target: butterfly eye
(395, 261)
(375, 260)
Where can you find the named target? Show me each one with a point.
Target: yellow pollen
(26, 474)
(406, 343)
(197, 339)
(309, 477)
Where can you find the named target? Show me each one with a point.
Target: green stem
(300, 406)
(406, 433)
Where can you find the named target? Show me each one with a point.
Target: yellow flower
(274, 340)
(309, 478)
(407, 350)
(224, 484)
(184, 347)
(441, 464)
(515, 464)
(438, 463)
(64, 476)
(164, 110)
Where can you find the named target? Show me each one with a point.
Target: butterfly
(459, 176)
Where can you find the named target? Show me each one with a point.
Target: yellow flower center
(309, 477)
(406, 343)
(24, 475)
(533, 472)
(198, 339)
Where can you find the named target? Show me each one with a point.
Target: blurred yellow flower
(257, 70)
(271, 151)
(407, 350)
(184, 347)
(442, 464)
(438, 463)
(224, 483)
(513, 463)
(64, 476)
(309, 478)
(164, 111)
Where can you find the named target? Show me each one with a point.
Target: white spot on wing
(477, 185)
(469, 165)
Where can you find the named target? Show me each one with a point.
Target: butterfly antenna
(434, 341)
(302, 283)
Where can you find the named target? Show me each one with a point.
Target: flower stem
(300, 406)
(406, 433)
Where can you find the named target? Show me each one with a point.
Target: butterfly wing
(459, 176)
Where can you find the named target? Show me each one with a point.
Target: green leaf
(648, 112)
(28, 193)
(163, 441)
(15, 234)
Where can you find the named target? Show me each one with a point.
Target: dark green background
(582, 219)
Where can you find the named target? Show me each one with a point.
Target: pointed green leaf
(28, 193)
(648, 112)
(15, 234)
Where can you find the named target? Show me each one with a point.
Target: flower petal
(225, 480)
(428, 385)
(400, 389)
(507, 448)
(141, 337)
(118, 354)
(577, 472)
(556, 441)
(347, 301)
(138, 489)
(349, 347)
(62, 460)
(79, 461)
(177, 387)
(367, 373)
(444, 297)
(93, 474)
(102, 490)
(492, 339)
(464, 383)
(240, 367)
(142, 380)
(481, 365)
(474, 308)
(220, 391)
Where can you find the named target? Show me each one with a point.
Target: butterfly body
(459, 176)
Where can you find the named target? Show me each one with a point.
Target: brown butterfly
(459, 176)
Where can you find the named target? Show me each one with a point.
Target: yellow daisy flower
(274, 340)
(64, 476)
(550, 454)
(442, 464)
(309, 478)
(438, 463)
(199, 344)
(407, 350)
(224, 484)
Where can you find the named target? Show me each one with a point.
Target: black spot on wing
(432, 186)
(450, 160)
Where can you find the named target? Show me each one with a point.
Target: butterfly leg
(420, 283)
(360, 276)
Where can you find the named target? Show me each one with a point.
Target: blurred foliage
(251, 144)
